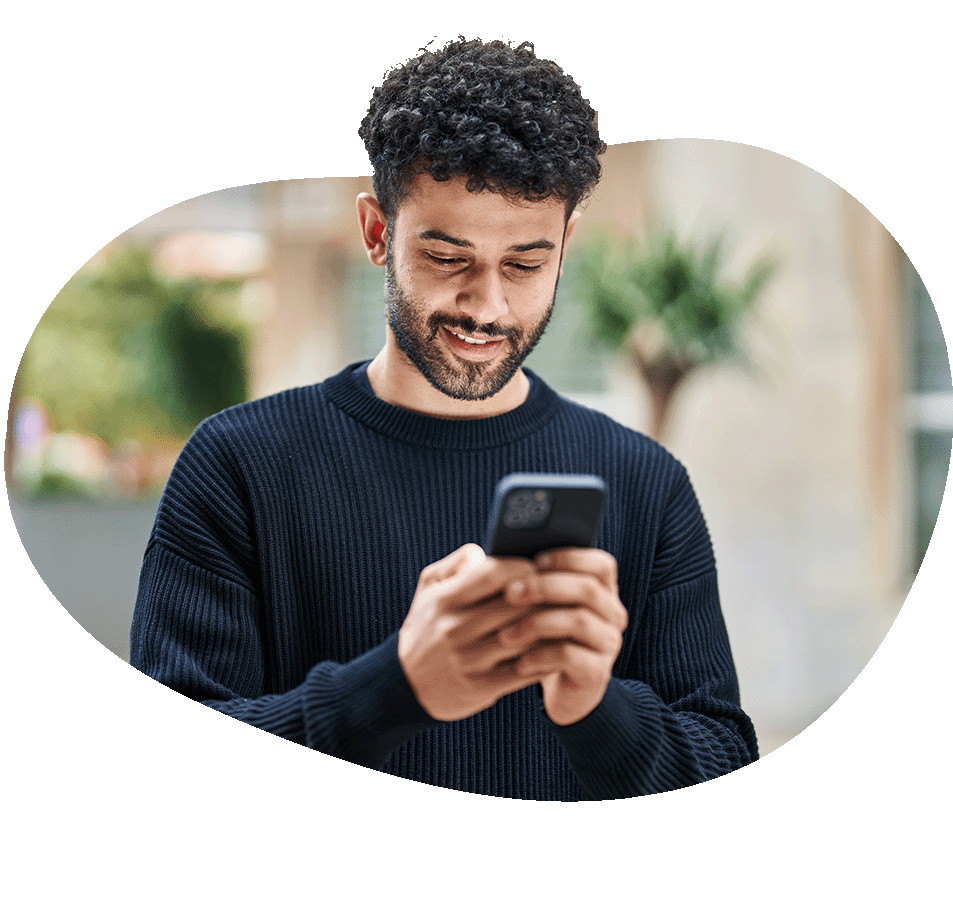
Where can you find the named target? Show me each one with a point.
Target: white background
(115, 785)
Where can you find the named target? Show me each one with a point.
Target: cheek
(431, 289)
(533, 301)
(426, 291)
(413, 279)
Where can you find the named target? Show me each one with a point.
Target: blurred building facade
(820, 475)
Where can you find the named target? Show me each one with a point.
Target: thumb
(470, 556)
(464, 558)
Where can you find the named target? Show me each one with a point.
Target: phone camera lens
(514, 518)
(520, 499)
(526, 509)
(537, 512)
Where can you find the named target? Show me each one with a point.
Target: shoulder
(606, 437)
(291, 408)
(261, 431)
(242, 445)
(296, 414)
(233, 459)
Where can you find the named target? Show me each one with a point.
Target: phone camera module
(526, 509)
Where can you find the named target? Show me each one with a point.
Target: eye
(444, 260)
(520, 267)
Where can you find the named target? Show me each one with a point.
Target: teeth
(469, 340)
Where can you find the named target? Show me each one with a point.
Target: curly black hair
(493, 113)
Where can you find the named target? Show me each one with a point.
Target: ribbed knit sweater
(286, 551)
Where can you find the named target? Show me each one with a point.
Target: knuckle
(459, 661)
(580, 620)
(617, 644)
(591, 589)
(443, 631)
(623, 617)
(522, 568)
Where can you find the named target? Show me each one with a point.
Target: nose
(484, 296)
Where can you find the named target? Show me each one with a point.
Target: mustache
(468, 325)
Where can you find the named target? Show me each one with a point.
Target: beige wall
(312, 230)
(802, 470)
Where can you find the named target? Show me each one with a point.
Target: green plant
(124, 353)
(667, 304)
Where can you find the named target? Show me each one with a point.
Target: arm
(679, 721)
(198, 633)
(665, 712)
(205, 613)
(200, 624)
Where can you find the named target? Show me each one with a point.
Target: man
(313, 569)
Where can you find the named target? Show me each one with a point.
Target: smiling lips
(473, 346)
(473, 340)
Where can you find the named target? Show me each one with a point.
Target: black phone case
(533, 512)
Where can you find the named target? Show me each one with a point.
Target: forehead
(483, 218)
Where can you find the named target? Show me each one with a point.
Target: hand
(572, 634)
(449, 644)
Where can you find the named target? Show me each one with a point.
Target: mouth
(468, 339)
(472, 347)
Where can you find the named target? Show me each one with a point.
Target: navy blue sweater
(286, 552)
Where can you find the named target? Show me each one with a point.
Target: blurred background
(735, 304)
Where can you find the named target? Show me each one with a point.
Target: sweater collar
(350, 390)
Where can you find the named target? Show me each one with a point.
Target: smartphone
(535, 512)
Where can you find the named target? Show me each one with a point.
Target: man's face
(470, 282)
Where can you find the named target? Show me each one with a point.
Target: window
(929, 409)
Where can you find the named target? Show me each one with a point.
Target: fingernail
(516, 590)
(544, 561)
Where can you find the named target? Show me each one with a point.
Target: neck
(396, 380)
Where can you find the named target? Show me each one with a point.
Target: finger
(471, 557)
(584, 561)
(470, 625)
(468, 556)
(504, 678)
(487, 579)
(582, 666)
(483, 658)
(557, 588)
(575, 624)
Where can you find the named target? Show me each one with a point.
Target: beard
(416, 335)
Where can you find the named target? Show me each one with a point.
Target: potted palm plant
(666, 304)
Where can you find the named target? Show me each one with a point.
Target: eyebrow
(435, 234)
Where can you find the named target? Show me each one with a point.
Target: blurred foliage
(124, 353)
(668, 306)
(58, 485)
(669, 297)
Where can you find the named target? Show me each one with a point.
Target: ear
(567, 234)
(373, 224)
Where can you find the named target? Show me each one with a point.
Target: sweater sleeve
(671, 714)
(197, 627)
